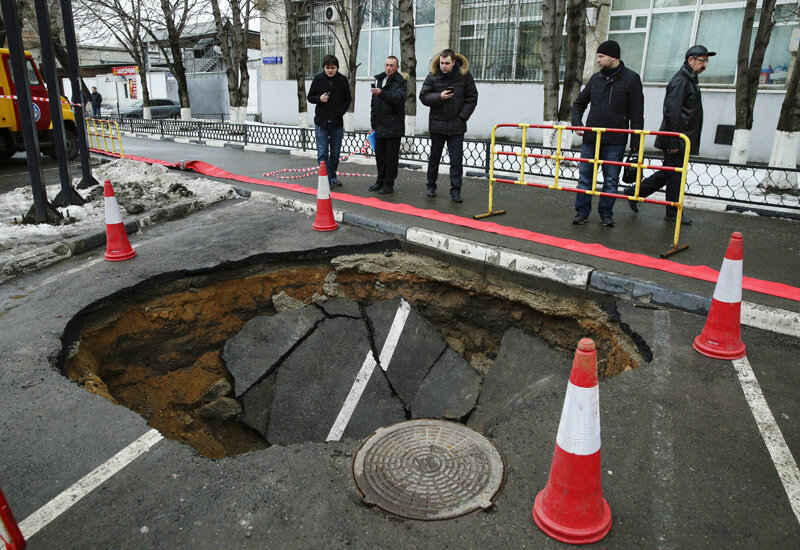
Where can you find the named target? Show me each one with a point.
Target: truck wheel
(72, 144)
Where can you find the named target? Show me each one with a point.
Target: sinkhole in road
(240, 357)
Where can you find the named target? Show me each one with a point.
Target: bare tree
(576, 58)
(123, 21)
(351, 16)
(232, 33)
(297, 69)
(172, 17)
(408, 60)
(747, 74)
(787, 136)
(552, 25)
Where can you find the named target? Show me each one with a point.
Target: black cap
(697, 51)
(609, 48)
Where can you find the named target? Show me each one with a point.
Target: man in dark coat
(388, 120)
(683, 112)
(616, 101)
(96, 100)
(330, 92)
(449, 90)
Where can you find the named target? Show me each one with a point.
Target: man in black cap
(616, 101)
(683, 112)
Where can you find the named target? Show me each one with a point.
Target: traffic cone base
(118, 247)
(721, 335)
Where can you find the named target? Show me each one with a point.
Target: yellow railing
(108, 131)
(596, 161)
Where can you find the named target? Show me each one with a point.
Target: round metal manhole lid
(429, 469)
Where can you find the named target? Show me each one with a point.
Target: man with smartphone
(449, 90)
(387, 117)
(330, 92)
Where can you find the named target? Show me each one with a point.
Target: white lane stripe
(63, 502)
(771, 433)
(579, 427)
(364, 374)
(729, 282)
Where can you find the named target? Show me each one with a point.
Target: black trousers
(660, 178)
(455, 148)
(387, 151)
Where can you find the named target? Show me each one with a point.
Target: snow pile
(140, 188)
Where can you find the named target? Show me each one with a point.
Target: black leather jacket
(388, 113)
(683, 111)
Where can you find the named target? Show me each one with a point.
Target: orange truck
(10, 130)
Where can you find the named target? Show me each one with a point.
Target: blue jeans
(95, 111)
(583, 203)
(329, 144)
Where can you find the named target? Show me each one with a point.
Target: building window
(655, 34)
(380, 35)
(318, 39)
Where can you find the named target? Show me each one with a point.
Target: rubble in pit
(289, 396)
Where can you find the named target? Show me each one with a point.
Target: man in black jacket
(683, 112)
(388, 120)
(616, 99)
(330, 92)
(97, 101)
(449, 90)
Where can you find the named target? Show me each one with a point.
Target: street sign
(272, 60)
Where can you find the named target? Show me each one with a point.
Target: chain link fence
(749, 184)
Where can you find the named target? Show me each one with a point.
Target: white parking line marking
(366, 370)
(771, 433)
(63, 502)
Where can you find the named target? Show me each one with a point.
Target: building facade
(502, 40)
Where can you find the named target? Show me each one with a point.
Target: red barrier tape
(700, 272)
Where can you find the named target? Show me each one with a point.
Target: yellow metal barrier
(108, 130)
(596, 162)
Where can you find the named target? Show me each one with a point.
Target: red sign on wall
(125, 71)
(132, 88)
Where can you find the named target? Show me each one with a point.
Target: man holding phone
(449, 90)
(387, 118)
(330, 92)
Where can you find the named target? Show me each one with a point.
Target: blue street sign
(272, 60)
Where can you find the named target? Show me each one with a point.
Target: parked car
(160, 108)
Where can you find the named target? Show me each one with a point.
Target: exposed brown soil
(158, 354)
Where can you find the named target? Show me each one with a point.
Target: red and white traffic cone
(721, 337)
(118, 247)
(324, 220)
(10, 534)
(571, 507)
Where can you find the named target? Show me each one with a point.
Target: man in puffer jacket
(388, 120)
(449, 90)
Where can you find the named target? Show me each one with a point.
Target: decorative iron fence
(750, 184)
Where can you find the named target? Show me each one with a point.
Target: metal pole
(68, 195)
(42, 211)
(77, 98)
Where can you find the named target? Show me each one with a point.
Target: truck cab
(10, 129)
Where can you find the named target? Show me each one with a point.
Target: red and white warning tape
(314, 170)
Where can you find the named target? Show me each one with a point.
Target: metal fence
(749, 184)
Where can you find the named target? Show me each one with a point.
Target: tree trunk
(748, 70)
(787, 136)
(408, 61)
(176, 64)
(297, 70)
(576, 59)
(552, 25)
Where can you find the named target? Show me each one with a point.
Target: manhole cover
(428, 469)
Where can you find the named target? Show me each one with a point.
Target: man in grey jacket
(683, 112)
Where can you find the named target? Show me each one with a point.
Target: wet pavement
(685, 463)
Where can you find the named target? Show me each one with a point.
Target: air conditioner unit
(330, 14)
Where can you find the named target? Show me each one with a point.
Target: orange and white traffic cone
(118, 247)
(721, 337)
(324, 220)
(571, 507)
(10, 534)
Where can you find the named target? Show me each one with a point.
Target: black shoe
(335, 183)
(580, 219)
(431, 191)
(375, 186)
(456, 198)
(685, 220)
(386, 190)
(608, 222)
